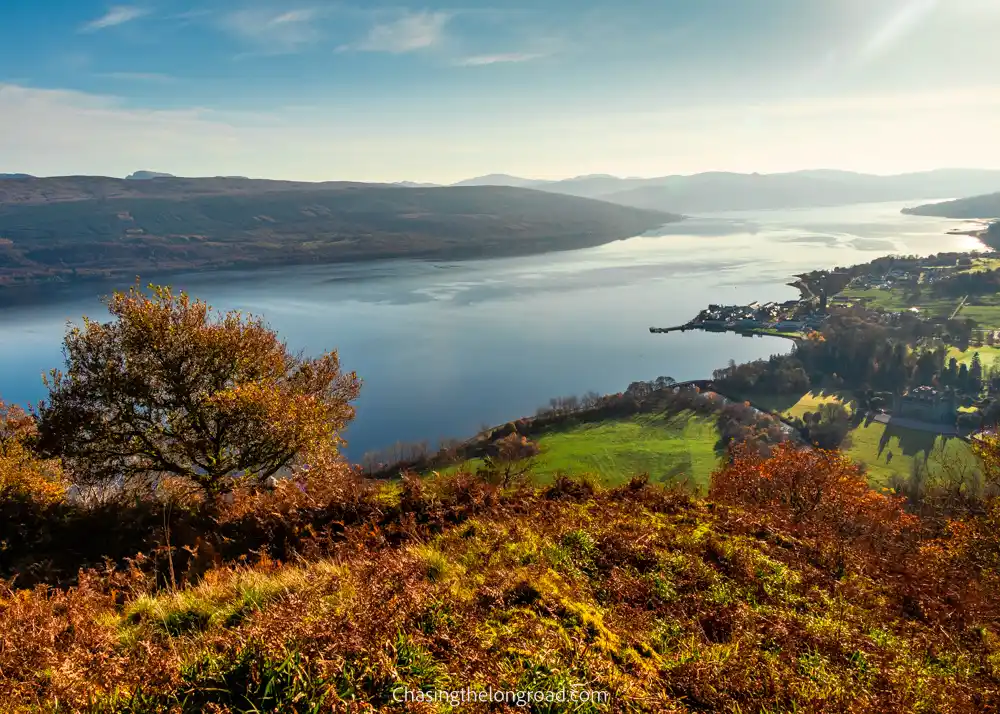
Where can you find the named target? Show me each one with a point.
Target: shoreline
(41, 291)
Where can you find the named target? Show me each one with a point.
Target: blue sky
(440, 91)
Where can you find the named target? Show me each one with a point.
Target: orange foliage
(21, 472)
(171, 388)
(510, 458)
(986, 447)
(811, 488)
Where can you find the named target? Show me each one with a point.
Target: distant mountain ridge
(73, 227)
(15, 176)
(725, 191)
(502, 180)
(146, 175)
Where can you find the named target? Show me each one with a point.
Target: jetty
(676, 328)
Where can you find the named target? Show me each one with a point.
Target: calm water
(444, 348)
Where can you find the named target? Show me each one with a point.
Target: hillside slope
(640, 599)
(61, 228)
(987, 206)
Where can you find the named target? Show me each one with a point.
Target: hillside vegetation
(150, 561)
(64, 228)
(659, 602)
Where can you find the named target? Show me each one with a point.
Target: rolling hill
(723, 191)
(76, 227)
(987, 206)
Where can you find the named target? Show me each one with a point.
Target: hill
(502, 180)
(722, 191)
(640, 599)
(187, 580)
(72, 227)
(987, 206)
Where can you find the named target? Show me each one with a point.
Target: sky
(439, 91)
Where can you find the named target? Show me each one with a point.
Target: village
(904, 296)
(793, 318)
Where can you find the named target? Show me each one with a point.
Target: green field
(887, 450)
(678, 447)
(811, 402)
(683, 447)
(987, 355)
(894, 300)
(796, 405)
(986, 314)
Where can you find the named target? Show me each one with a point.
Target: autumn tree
(170, 388)
(509, 458)
(22, 473)
(986, 449)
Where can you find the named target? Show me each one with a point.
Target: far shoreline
(54, 290)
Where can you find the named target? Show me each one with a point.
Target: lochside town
(942, 300)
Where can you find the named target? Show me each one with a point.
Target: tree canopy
(169, 387)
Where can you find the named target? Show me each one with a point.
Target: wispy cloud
(138, 76)
(896, 27)
(509, 58)
(284, 31)
(411, 32)
(117, 15)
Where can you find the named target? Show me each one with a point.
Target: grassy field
(668, 448)
(684, 446)
(770, 331)
(890, 450)
(987, 355)
(895, 301)
(986, 312)
(811, 402)
(796, 405)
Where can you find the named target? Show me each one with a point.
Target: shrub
(509, 458)
(822, 491)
